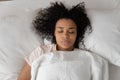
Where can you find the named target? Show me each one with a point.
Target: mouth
(65, 42)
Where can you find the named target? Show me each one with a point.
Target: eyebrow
(69, 28)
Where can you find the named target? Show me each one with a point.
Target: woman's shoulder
(46, 48)
(94, 56)
(98, 58)
(39, 51)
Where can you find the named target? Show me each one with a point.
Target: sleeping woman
(64, 59)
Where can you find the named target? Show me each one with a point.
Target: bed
(17, 38)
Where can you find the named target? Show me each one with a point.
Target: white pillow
(105, 38)
(17, 39)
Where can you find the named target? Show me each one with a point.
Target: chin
(65, 47)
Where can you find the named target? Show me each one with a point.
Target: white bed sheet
(18, 40)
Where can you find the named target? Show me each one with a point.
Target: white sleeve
(34, 55)
(40, 50)
(100, 70)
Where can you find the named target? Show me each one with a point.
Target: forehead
(65, 23)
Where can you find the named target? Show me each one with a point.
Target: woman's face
(65, 34)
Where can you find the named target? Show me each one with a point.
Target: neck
(64, 49)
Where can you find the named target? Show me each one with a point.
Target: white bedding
(17, 39)
(74, 65)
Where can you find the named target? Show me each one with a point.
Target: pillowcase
(17, 39)
(105, 37)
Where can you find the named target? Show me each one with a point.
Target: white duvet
(74, 65)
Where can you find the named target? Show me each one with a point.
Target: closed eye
(71, 32)
(60, 31)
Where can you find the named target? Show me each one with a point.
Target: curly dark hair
(45, 21)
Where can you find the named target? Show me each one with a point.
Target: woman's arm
(25, 74)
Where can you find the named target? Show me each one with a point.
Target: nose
(65, 35)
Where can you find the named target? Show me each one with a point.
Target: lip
(65, 42)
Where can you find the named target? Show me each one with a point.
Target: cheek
(73, 37)
(57, 37)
